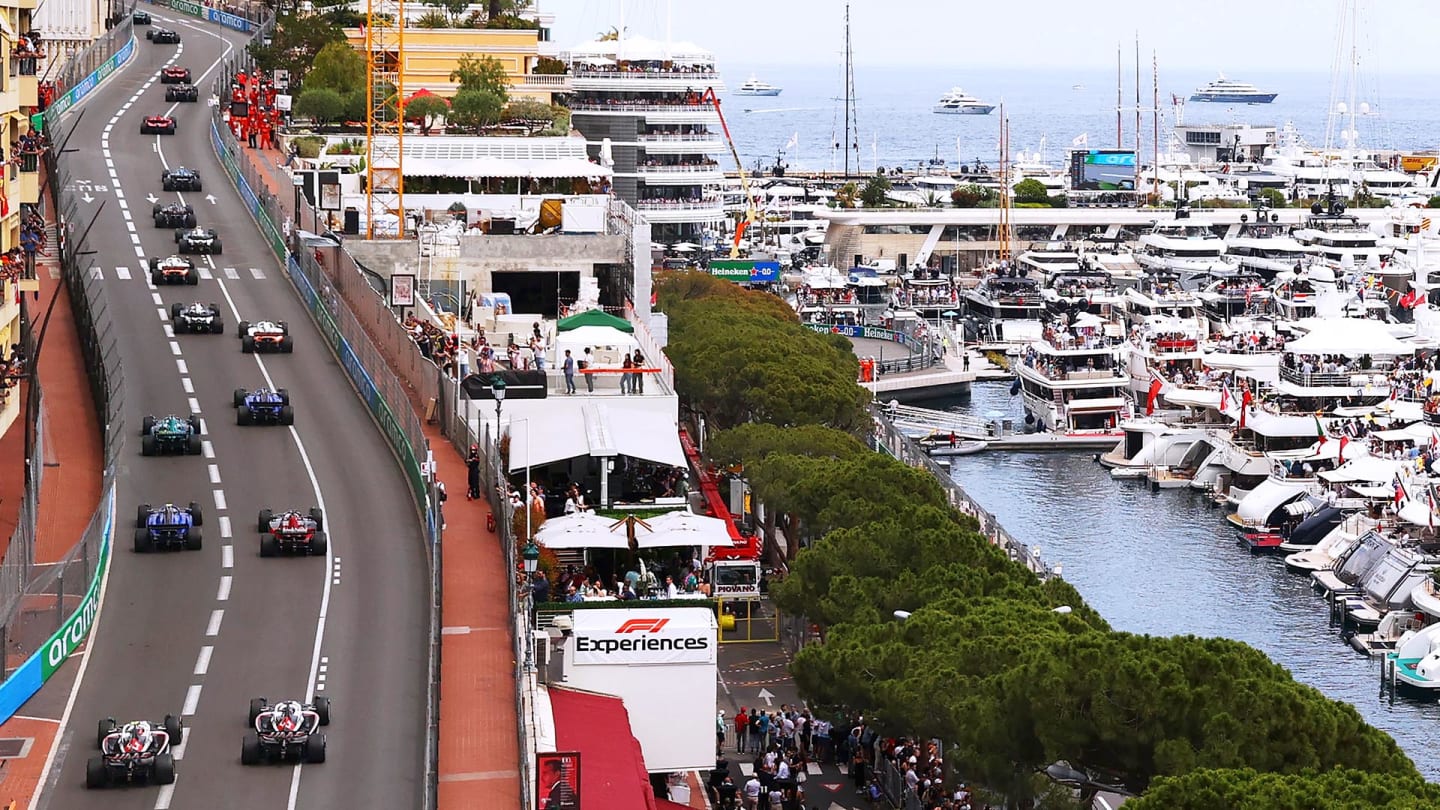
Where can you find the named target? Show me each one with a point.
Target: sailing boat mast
(1005, 226)
(1155, 127)
(850, 101)
(1119, 101)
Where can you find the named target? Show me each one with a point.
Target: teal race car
(170, 435)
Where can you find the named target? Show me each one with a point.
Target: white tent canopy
(1367, 469)
(577, 339)
(603, 432)
(582, 530)
(640, 49)
(684, 528)
(1351, 337)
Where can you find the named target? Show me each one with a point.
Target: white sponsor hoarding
(629, 637)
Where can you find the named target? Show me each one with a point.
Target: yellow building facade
(432, 54)
(20, 175)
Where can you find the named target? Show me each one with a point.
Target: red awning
(612, 768)
(422, 93)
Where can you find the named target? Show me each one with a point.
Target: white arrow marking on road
(87, 198)
(766, 696)
(152, 198)
(211, 198)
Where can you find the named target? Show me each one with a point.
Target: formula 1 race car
(292, 532)
(140, 18)
(198, 240)
(266, 336)
(165, 435)
(157, 125)
(180, 179)
(175, 75)
(163, 36)
(197, 317)
(139, 751)
(288, 730)
(182, 92)
(167, 527)
(173, 270)
(173, 215)
(263, 406)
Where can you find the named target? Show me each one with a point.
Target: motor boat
(755, 87)
(958, 102)
(1415, 663)
(1071, 380)
(1229, 91)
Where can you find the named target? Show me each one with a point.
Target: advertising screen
(1102, 170)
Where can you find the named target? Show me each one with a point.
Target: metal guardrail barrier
(53, 610)
(889, 438)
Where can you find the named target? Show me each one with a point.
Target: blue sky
(1396, 36)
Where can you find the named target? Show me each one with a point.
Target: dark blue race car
(263, 407)
(168, 527)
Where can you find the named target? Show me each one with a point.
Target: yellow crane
(384, 113)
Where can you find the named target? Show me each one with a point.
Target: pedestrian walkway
(69, 492)
(479, 726)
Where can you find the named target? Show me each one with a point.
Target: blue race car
(168, 527)
(263, 406)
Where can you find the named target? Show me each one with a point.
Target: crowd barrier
(375, 383)
(57, 607)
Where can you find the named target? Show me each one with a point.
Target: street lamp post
(497, 389)
(299, 183)
(531, 555)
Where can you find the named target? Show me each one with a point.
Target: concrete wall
(480, 256)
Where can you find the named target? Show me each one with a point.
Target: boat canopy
(1351, 337)
(1368, 469)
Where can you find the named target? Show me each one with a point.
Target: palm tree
(847, 194)
(613, 35)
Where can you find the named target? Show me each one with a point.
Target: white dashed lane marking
(223, 594)
(214, 473)
(192, 700)
(202, 664)
(219, 500)
(227, 556)
(213, 628)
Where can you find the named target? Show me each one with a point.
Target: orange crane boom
(713, 100)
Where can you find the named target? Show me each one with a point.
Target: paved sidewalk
(479, 728)
(69, 493)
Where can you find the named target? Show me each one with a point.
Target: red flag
(1245, 400)
(1224, 397)
(740, 232)
(1340, 459)
(1400, 494)
(1155, 386)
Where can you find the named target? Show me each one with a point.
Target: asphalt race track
(201, 632)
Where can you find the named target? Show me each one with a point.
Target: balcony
(1377, 380)
(29, 184)
(546, 82)
(661, 211)
(29, 89)
(647, 80)
(677, 175)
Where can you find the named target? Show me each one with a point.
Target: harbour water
(897, 127)
(1166, 563)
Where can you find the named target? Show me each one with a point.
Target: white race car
(139, 751)
(265, 336)
(288, 730)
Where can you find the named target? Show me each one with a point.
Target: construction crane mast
(384, 116)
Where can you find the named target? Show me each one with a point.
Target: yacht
(755, 87)
(958, 102)
(1187, 247)
(1001, 300)
(1339, 238)
(1071, 381)
(1416, 660)
(1045, 260)
(1229, 91)
(1266, 247)
(1233, 295)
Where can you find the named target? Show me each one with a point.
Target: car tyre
(146, 424)
(217, 326)
(318, 515)
(189, 220)
(142, 514)
(243, 415)
(194, 540)
(142, 541)
(287, 344)
(322, 708)
(262, 523)
(257, 707)
(315, 749)
(165, 185)
(250, 748)
(269, 546)
(319, 543)
(239, 398)
(155, 277)
(180, 326)
(215, 248)
(147, 445)
(284, 395)
(192, 445)
(192, 277)
(194, 422)
(196, 515)
(104, 729)
(247, 345)
(164, 769)
(287, 415)
(97, 773)
(176, 729)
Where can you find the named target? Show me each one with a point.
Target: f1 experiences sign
(644, 637)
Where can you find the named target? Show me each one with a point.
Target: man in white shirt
(782, 771)
(752, 793)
